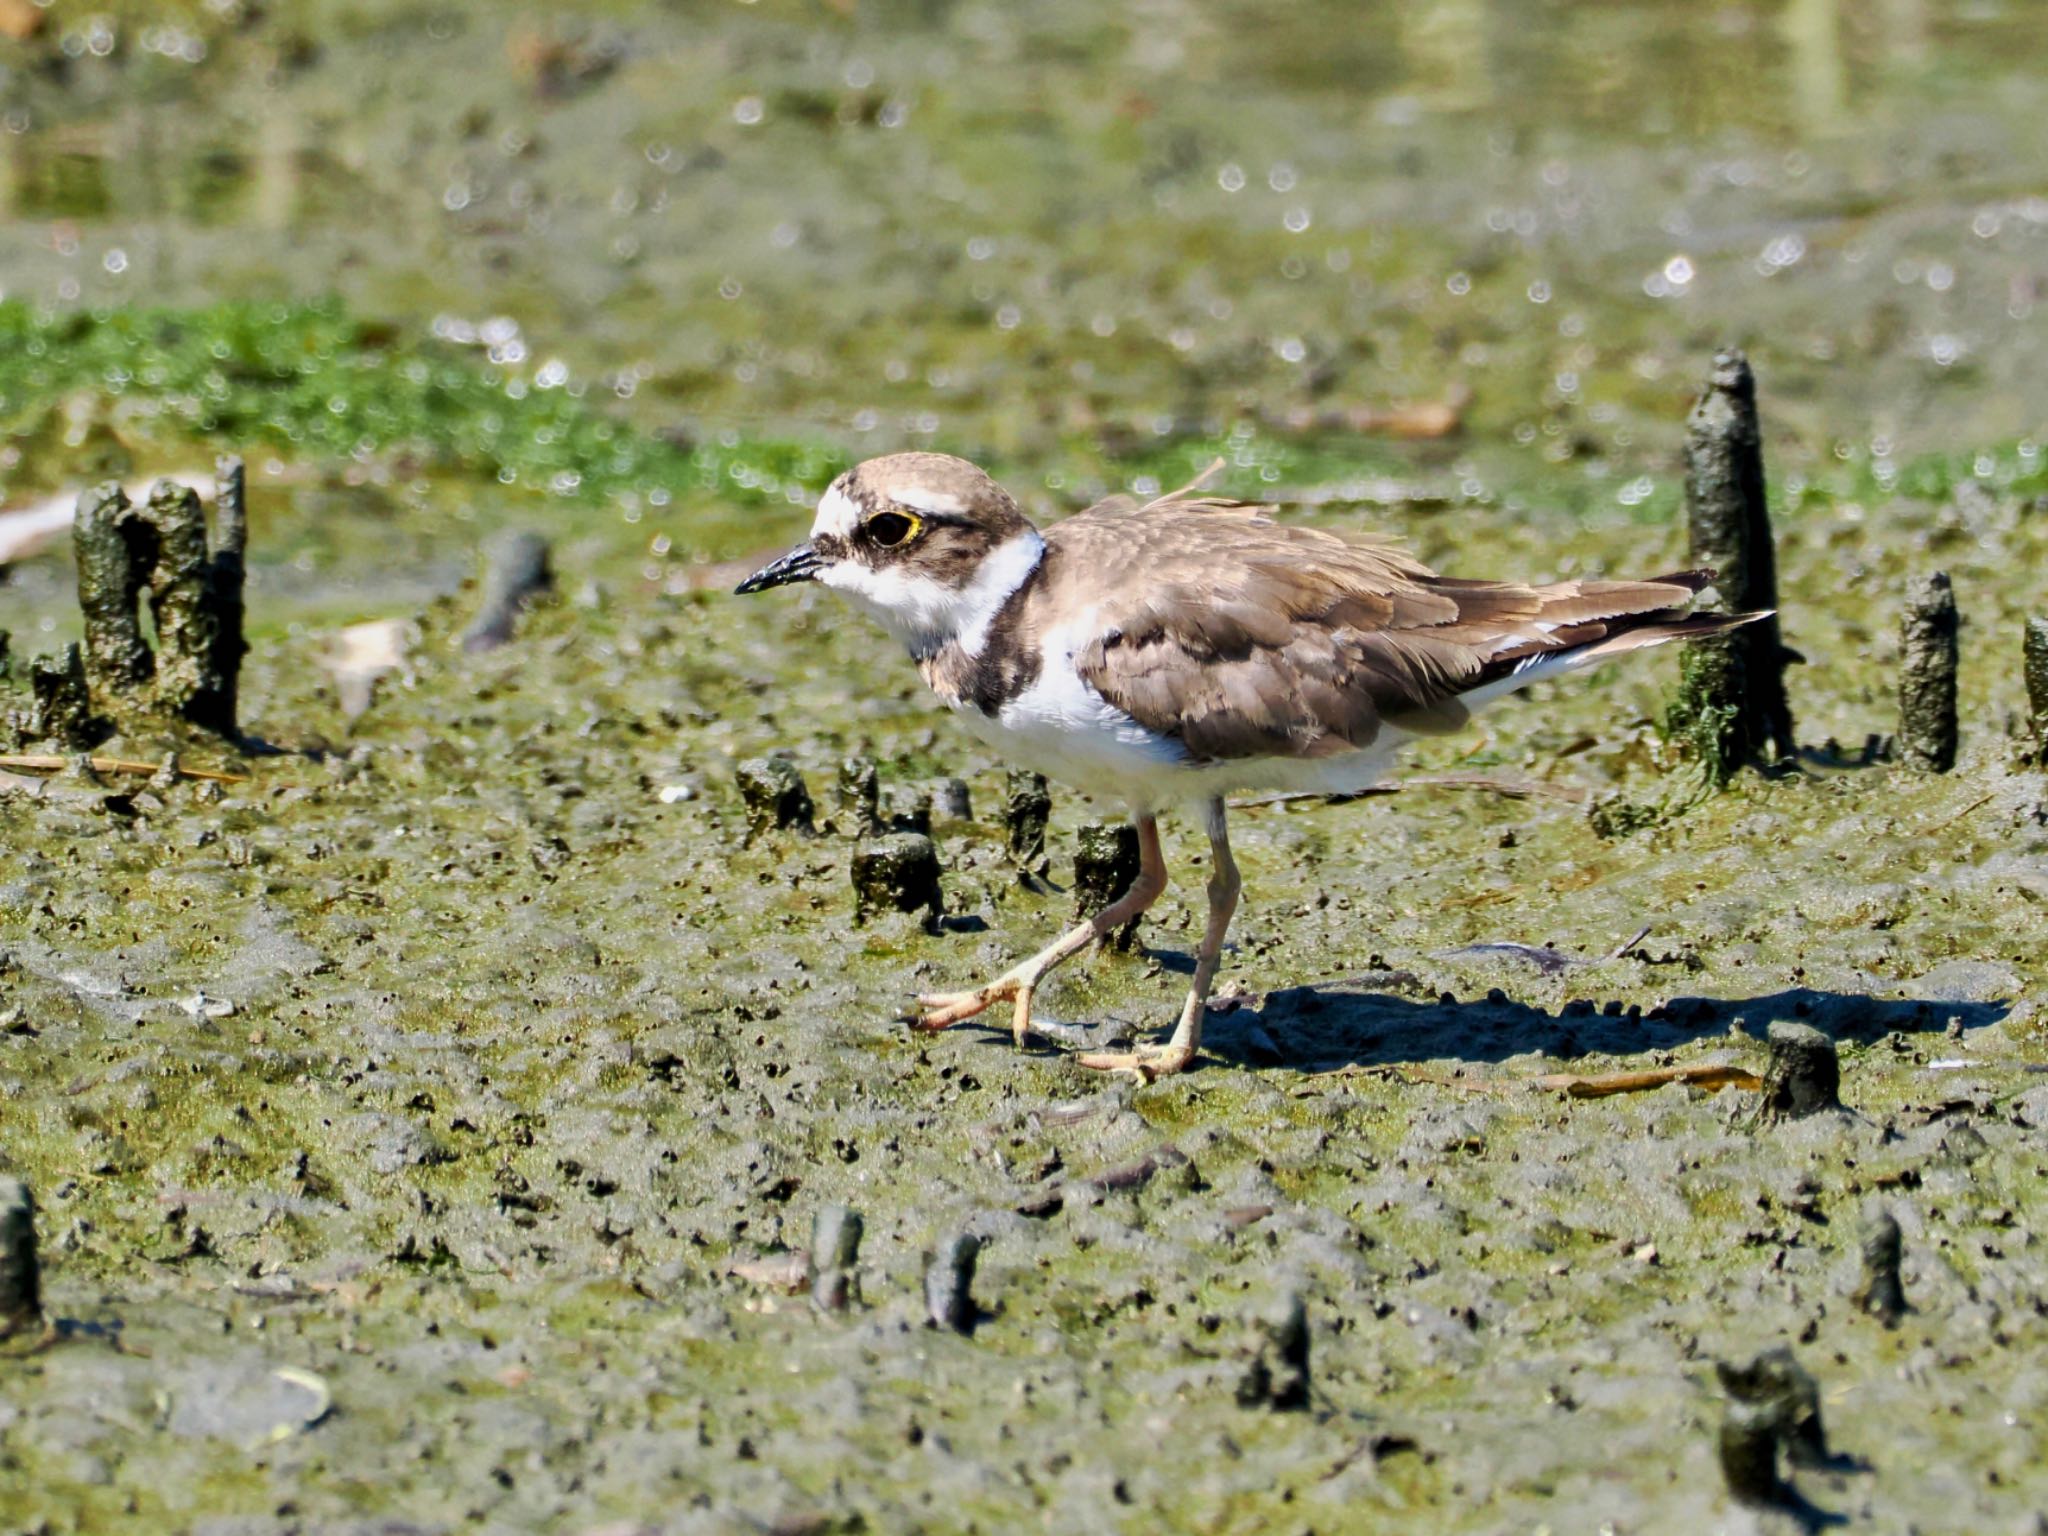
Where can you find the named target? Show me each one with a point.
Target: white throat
(924, 614)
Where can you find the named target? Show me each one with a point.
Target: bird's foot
(1144, 1063)
(942, 1010)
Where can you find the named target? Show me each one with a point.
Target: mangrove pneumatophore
(1731, 707)
(21, 1304)
(2034, 672)
(1928, 728)
(159, 553)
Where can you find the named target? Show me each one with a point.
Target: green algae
(313, 381)
(310, 380)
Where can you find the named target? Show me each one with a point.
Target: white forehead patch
(838, 515)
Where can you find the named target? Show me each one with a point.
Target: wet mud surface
(428, 1130)
(466, 1071)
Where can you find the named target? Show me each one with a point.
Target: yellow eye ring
(892, 528)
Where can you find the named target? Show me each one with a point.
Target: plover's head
(927, 543)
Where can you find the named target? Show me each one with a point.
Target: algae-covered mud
(427, 1123)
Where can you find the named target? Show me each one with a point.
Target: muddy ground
(423, 1125)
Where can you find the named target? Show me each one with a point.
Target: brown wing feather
(1285, 641)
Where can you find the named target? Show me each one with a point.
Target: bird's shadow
(1804, 1513)
(1359, 1022)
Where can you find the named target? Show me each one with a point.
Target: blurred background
(647, 274)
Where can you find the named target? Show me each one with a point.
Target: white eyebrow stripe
(939, 503)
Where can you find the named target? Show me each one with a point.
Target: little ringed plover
(1172, 651)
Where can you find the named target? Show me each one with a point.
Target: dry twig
(56, 762)
(1712, 1076)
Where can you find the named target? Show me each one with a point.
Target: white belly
(1064, 729)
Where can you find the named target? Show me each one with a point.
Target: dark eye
(889, 529)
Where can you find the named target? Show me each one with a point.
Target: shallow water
(529, 1046)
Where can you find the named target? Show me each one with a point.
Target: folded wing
(1294, 642)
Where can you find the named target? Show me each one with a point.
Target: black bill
(800, 564)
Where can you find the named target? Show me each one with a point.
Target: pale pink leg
(1147, 1062)
(940, 1009)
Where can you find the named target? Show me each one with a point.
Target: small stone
(1106, 863)
(243, 1402)
(1804, 1075)
(897, 872)
(362, 655)
(951, 801)
(21, 1289)
(1278, 1375)
(949, 1284)
(391, 1144)
(1026, 810)
(775, 795)
(1881, 1293)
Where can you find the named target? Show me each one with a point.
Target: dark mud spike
(1778, 1373)
(518, 567)
(835, 1249)
(1105, 866)
(1027, 808)
(949, 1284)
(1881, 1293)
(188, 625)
(62, 702)
(1928, 731)
(775, 795)
(1749, 1452)
(898, 872)
(1773, 1405)
(1731, 706)
(21, 1285)
(860, 798)
(910, 809)
(2034, 669)
(1277, 1377)
(230, 576)
(1804, 1076)
(114, 551)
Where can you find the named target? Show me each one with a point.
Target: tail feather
(1658, 629)
(1611, 637)
(1693, 581)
